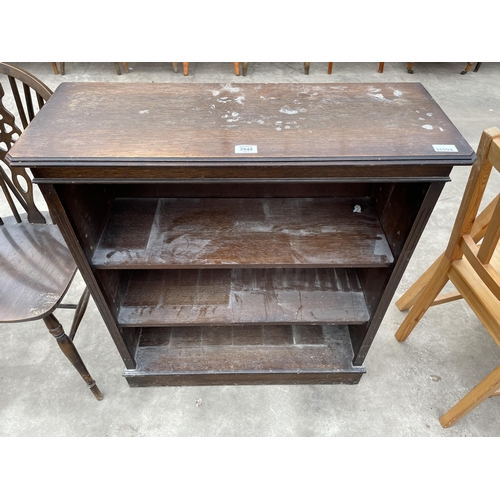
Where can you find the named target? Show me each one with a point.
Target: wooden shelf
(244, 355)
(242, 296)
(251, 232)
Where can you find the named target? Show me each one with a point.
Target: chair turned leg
(125, 66)
(174, 65)
(410, 68)
(185, 67)
(307, 65)
(478, 65)
(330, 68)
(467, 68)
(244, 68)
(237, 68)
(485, 389)
(69, 350)
(54, 67)
(79, 312)
(381, 67)
(117, 67)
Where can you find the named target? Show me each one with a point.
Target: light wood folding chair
(472, 268)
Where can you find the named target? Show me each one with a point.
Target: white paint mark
(427, 127)
(240, 99)
(262, 97)
(441, 128)
(278, 122)
(398, 93)
(421, 118)
(215, 93)
(260, 122)
(290, 111)
(287, 127)
(213, 106)
(144, 112)
(380, 245)
(278, 128)
(230, 88)
(429, 114)
(234, 114)
(379, 97)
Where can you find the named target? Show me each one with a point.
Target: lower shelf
(244, 355)
(168, 297)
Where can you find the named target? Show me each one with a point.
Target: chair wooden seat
(37, 269)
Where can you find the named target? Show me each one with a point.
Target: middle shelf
(242, 232)
(241, 296)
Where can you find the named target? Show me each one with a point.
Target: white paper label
(445, 148)
(245, 149)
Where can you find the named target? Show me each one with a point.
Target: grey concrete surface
(407, 386)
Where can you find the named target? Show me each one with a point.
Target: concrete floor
(407, 386)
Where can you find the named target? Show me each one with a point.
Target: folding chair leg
(408, 299)
(69, 350)
(424, 301)
(482, 391)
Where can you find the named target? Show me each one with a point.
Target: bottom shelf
(244, 355)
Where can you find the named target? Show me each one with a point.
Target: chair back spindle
(18, 185)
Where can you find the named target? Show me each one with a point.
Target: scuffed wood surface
(36, 268)
(264, 349)
(112, 123)
(220, 296)
(307, 232)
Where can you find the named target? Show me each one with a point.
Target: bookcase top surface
(99, 124)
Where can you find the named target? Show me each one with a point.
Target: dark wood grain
(36, 270)
(241, 296)
(109, 173)
(244, 355)
(268, 232)
(99, 123)
(213, 267)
